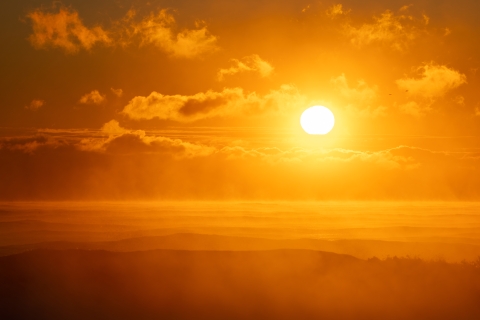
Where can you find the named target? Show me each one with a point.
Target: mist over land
(428, 230)
(240, 260)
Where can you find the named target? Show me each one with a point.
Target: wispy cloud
(93, 97)
(358, 100)
(477, 111)
(35, 104)
(335, 11)
(433, 82)
(252, 63)
(62, 28)
(395, 30)
(158, 29)
(117, 92)
(65, 30)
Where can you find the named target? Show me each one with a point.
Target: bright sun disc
(317, 120)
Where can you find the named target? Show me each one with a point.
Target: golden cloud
(117, 92)
(335, 11)
(229, 102)
(35, 104)
(30, 144)
(158, 29)
(385, 159)
(252, 63)
(358, 100)
(93, 97)
(396, 30)
(434, 82)
(113, 128)
(124, 141)
(64, 30)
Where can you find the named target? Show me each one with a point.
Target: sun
(317, 120)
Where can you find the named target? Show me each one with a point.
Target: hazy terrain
(239, 260)
(449, 231)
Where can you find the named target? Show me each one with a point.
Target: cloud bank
(122, 164)
(64, 29)
(228, 102)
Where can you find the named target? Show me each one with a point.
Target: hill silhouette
(274, 284)
(364, 249)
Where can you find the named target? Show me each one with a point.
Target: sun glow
(317, 120)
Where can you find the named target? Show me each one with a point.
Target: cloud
(129, 164)
(477, 111)
(124, 141)
(415, 109)
(138, 141)
(460, 100)
(434, 82)
(335, 11)
(396, 30)
(117, 92)
(35, 105)
(113, 128)
(93, 97)
(305, 9)
(158, 29)
(65, 30)
(358, 100)
(229, 102)
(252, 63)
(383, 159)
(29, 144)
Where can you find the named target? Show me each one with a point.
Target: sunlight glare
(317, 120)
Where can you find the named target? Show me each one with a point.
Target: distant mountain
(364, 249)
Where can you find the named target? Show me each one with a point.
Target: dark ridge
(363, 249)
(276, 284)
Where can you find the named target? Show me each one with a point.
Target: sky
(201, 100)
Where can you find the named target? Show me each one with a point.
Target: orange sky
(201, 100)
